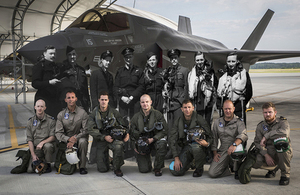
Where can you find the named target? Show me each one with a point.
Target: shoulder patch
(30, 118)
(282, 118)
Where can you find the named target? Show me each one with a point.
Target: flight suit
(37, 131)
(237, 87)
(227, 134)
(279, 128)
(42, 72)
(95, 129)
(202, 89)
(190, 150)
(138, 123)
(101, 80)
(69, 124)
(128, 82)
(153, 85)
(76, 79)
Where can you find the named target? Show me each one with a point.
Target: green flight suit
(190, 151)
(95, 129)
(138, 122)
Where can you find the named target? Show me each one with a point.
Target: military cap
(150, 54)
(105, 54)
(127, 51)
(174, 52)
(69, 49)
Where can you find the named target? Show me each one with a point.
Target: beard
(270, 119)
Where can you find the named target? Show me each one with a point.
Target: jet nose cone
(35, 49)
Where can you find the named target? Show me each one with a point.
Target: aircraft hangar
(22, 21)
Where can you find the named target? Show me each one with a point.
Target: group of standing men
(187, 99)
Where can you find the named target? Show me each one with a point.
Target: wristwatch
(234, 144)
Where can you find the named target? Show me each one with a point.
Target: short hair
(70, 91)
(228, 101)
(268, 105)
(186, 101)
(234, 53)
(103, 92)
(198, 53)
(39, 100)
(146, 95)
(49, 47)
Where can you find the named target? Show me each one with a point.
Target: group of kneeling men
(190, 139)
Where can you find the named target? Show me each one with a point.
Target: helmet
(39, 166)
(281, 144)
(71, 155)
(142, 145)
(118, 133)
(239, 154)
(194, 134)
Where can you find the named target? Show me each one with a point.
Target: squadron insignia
(34, 122)
(221, 124)
(66, 116)
(265, 128)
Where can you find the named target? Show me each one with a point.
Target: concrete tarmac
(282, 89)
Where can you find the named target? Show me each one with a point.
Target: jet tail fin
(257, 33)
(184, 25)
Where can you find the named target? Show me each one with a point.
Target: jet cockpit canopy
(102, 19)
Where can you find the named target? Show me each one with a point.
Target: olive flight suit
(96, 129)
(189, 150)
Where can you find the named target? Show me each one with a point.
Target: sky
(232, 21)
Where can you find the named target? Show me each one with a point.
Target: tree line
(268, 65)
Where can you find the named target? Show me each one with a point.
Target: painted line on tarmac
(11, 148)
(276, 92)
(133, 185)
(12, 130)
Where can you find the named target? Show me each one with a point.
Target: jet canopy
(101, 19)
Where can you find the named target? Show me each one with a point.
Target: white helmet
(71, 155)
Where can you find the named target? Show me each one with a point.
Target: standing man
(45, 78)
(272, 137)
(100, 123)
(175, 88)
(148, 130)
(231, 132)
(128, 85)
(40, 134)
(235, 85)
(74, 77)
(71, 128)
(153, 83)
(202, 86)
(102, 79)
(192, 133)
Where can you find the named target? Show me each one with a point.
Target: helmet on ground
(239, 154)
(71, 155)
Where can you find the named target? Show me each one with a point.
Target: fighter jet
(117, 27)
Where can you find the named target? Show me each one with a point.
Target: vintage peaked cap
(105, 54)
(127, 51)
(69, 49)
(174, 52)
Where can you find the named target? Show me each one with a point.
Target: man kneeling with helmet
(105, 124)
(41, 139)
(273, 140)
(192, 133)
(148, 130)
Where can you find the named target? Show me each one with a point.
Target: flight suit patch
(66, 116)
